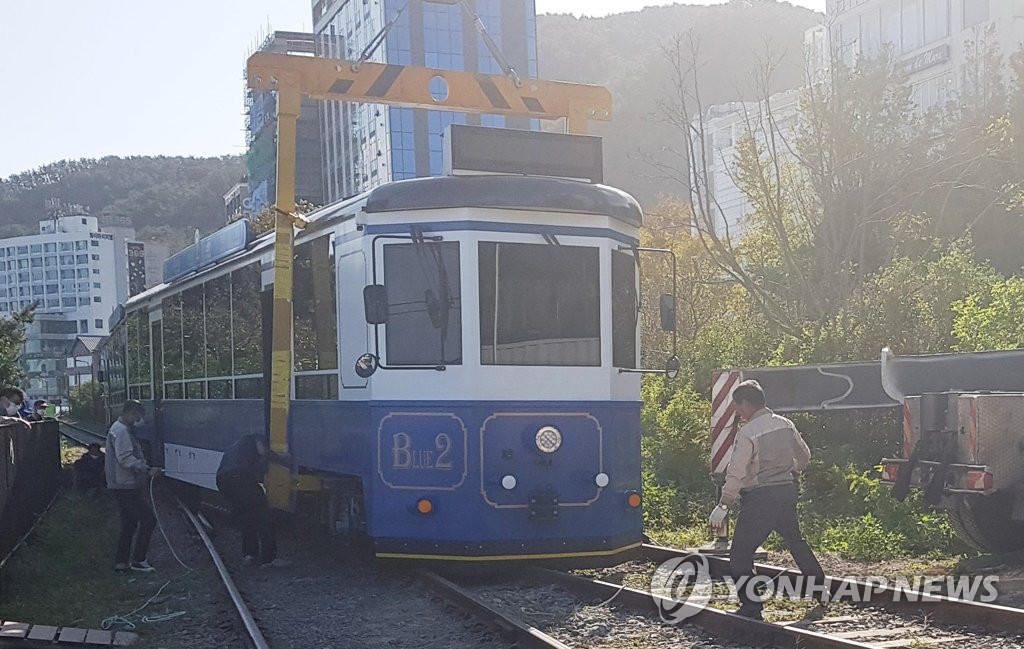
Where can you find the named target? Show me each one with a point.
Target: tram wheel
(985, 523)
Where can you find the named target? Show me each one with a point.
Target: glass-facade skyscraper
(261, 136)
(365, 145)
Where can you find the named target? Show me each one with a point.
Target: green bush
(854, 516)
(86, 401)
(674, 450)
(864, 538)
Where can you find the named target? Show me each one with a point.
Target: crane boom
(410, 87)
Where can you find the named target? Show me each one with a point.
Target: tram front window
(424, 325)
(539, 305)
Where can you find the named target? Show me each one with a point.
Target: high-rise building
(365, 145)
(236, 202)
(261, 136)
(723, 126)
(69, 271)
(933, 41)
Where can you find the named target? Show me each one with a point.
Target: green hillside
(167, 198)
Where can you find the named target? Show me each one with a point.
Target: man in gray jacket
(767, 457)
(128, 475)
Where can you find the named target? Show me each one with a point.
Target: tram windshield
(424, 303)
(539, 305)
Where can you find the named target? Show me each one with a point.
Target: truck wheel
(984, 523)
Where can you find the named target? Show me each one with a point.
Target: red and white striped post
(725, 422)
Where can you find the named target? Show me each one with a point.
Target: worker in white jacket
(128, 475)
(767, 457)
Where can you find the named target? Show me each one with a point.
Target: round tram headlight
(601, 480)
(508, 482)
(424, 506)
(633, 499)
(548, 439)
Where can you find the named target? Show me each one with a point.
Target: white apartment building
(69, 270)
(932, 40)
(724, 125)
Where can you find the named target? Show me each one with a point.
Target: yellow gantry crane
(292, 77)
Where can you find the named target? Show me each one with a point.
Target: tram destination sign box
(483, 150)
(207, 251)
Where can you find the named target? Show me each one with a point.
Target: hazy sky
(88, 78)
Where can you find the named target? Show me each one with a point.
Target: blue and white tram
(458, 347)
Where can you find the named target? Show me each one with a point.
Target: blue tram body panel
(455, 454)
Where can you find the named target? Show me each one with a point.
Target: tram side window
(315, 321)
(217, 296)
(247, 320)
(539, 305)
(131, 354)
(139, 370)
(193, 342)
(115, 358)
(145, 356)
(624, 310)
(423, 283)
(172, 363)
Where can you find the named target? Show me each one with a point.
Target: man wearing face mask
(11, 401)
(38, 411)
(128, 477)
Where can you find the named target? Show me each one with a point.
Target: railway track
(883, 621)
(929, 620)
(79, 435)
(513, 627)
(939, 609)
(253, 636)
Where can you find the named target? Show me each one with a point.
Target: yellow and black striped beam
(410, 87)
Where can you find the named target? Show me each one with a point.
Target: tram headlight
(601, 480)
(509, 482)
(548, 439)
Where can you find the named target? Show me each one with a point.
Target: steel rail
(90, 437)
(524, 634)
(720, 624)
(252, 630)
(940, 608)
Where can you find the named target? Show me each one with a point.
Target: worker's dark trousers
(249, 505)
(137, 522)
(762, 511)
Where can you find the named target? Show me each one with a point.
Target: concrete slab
(72, 634)
(13, 630)
(42, 632)
(99, 637)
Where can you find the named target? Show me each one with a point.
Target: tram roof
(532, 193)
(527, 193)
